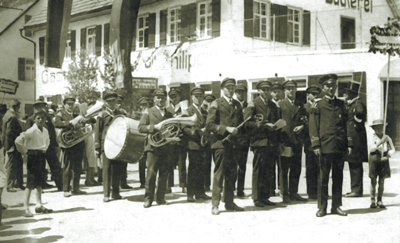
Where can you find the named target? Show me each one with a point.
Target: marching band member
(72, 156)
(197, 153)
(157, 161)
(144, 105)
(264, 142)
(224, 116)
(330, 141)
(208, 99)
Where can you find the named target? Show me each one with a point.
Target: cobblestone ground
(87, 219)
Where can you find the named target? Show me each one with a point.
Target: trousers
(312, 171)
(195, 176)
(14, 167)
(55, 166)
(263, 169)
(291, 166)
(241, 157)
(72, 170)
(156, 163)
(112, 170)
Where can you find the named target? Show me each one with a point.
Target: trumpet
(170, 130)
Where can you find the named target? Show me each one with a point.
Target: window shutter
(216, 18)
(152, 30)
(283, 22)
(98, 40)
(248, 18)
(146, 37)
(306, 28)
(41, 49)
(73, 43)
(275, 11)
(163, 27)
(107, 38)
(192, 17)
(184, 22)
(21, 69)
(216, 89)
(83, 38)
(362, 78)
(134, 37)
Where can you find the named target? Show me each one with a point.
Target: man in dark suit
(157, 157)
(73, 156)
(330, 141)
(195, 176)
(51, 155)
(224, 116)
(241, 143)
(311, 159)
(357, 114)
(144, 105)
(208, 139)
(292, 112)
(13, 159)
(264, 142)
(178, 151)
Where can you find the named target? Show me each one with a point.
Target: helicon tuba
(68, 137)
(170, 130)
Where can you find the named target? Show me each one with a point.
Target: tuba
(170, 130)
(68, 137)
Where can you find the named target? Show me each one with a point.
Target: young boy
(34, 142)
(380, 151)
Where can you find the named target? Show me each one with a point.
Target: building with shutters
(183, 43)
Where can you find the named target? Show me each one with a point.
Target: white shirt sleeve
(392, 149)
(20, 141)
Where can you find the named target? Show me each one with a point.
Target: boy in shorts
(380, 151)
(34, 142)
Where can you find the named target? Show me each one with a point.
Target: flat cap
(143, 100)
(313, 89)
(328, 78)
(196, 90)
(276, 85)
(120, 97)
(109, 95)
(228, 81)
(160, 92)
(39, 101)
(209, 97)
(264, 84)
(241, 87)
(174, 91)
(289, 83)
(68, 97)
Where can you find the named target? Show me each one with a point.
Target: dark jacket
(242, 139)
(260, 135)
(103, 122)
(293, 114)
(11, 129)
(62, 119)
(222, 115)
(48, 125)
(328, 126)
(194, 133)
(357, 115)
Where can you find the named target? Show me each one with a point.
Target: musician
(144, 105)
(207, 141)
(276, 93)
(197, 153)
(264, 142)
(330, 141)
(157, 161)
(112, 169)
(72, 156)
(11, 129)
(224, 116)
(292, 112)
(178, 151)
(311, 159)
(242, 143)
(357, 114)
(124, 172)
(51, 154)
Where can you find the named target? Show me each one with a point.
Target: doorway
(393, 112)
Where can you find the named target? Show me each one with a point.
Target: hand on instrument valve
(317, 152)
(70, 126)
(232, 130)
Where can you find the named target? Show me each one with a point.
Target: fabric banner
(58, 16)
(122, 29)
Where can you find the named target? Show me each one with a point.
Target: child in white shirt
(380, 151)
(34, 142)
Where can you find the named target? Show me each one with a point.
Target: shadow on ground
(364, 210)
(36, 231)
(72, 210)
(47, 239)
(26, 221)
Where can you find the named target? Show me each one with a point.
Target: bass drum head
(115, 138)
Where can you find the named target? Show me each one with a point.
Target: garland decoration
(386, 39)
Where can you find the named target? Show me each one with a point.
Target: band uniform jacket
(194, 133)
(146, 125)
(328, 126)
(103, 122)
(176, 113)
(356, 126)
(62, 119)
(11, 129)
(307, 140)
(262, 113)
(220, 116)
(242, 139)
(48, 125)
(294, 115)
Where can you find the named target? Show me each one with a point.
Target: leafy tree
(82, 77)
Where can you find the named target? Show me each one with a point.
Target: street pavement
(86, 218)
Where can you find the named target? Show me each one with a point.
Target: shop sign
(7, 86)
(354, 4)
(52, 75)
(144, 83)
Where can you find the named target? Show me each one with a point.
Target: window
(346, 82)
(91, 41)
(143, 25)
(348, 33)
(174, 25)
(261, 20)
(29, 69)
(294, 24)
(68, 46)
(204, 20)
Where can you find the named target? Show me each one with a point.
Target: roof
(10, 12)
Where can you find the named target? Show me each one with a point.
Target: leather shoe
(286, 199)
(67, 194)
(142, 186)
(106, 199)
(207, 188)
(373, 205)
(162, 202)
(203, 196)
(321, 212)
(353, 194)
(147, 204)
(78, 192)
(312, 197)
(259, 204)
(268, 202)
(338, 211)
(22, 188)
(190, 199)
(380, 204)
(117, 197)
(126, 187)
(11, 190)
(233, 207)
(214, 210)
(297, 197)
(90, 183)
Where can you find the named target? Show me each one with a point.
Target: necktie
(230, 102)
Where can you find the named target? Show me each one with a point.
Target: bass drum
(123, 141)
